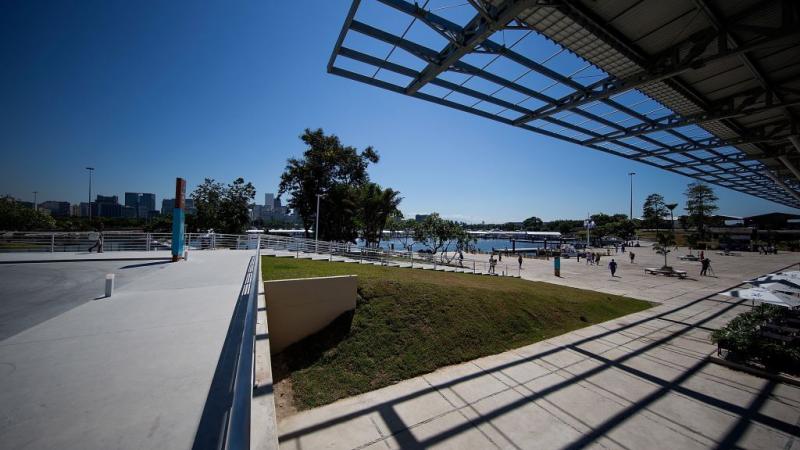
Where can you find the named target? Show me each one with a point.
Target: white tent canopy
(763, 295)
(785, 286)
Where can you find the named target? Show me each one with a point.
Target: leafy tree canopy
(349, 202)
(701, 203)
(225, 209)
(16, 217)
(532, 224)
(654, 210)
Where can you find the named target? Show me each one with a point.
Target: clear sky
(147, 91)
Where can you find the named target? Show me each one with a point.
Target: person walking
(597, 259)
(632, 256)
(491, 263)
(500, 256)
(519, 260)
(97, 236)
(612, 266)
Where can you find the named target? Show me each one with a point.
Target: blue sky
(147, 91)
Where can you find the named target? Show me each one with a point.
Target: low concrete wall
(299, 308)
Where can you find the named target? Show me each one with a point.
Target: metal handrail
(238, 426)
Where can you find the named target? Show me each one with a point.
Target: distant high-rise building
(277, 203)
(129, 212)
(269, 201)
(143, 203)
(106, 206)
(168, 204)
(56, 209)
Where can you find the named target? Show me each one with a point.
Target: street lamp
(35, 203)
(316, 227)
(630, 215)
(91, 170)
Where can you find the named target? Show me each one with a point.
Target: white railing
(299, 247)
(83, 241)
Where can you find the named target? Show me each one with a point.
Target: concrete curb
(263, 421)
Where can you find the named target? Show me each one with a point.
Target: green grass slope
(409, 322)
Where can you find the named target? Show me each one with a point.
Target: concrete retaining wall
(299, 308)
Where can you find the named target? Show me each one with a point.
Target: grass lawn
(409, 322)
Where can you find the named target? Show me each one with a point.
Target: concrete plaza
(640, 381)
(131, 371)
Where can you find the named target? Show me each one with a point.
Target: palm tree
(376, 206)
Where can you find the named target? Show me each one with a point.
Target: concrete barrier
(300, 307)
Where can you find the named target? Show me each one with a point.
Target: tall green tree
(326, 166)
(223, 208)
(532, 224)
(654, 210)
(238, 196)
(376, 206)
(701, 203)
(207, 198)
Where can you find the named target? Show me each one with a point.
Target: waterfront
(483, 245)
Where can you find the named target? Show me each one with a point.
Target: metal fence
(300, 247)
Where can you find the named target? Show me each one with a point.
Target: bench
(669, 273)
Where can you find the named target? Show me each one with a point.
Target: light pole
(316, 227)
(35, 203)
(630, 215)
(91, 170)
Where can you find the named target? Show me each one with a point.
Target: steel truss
(657, 141)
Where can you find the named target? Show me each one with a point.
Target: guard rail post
(52, 242)
(330, 250)
(147, 242)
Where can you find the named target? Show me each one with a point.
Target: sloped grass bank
(409, 322)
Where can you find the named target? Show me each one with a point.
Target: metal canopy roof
(709, 89)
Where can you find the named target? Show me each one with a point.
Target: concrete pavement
(33, 293)
(128, 372)
(640, 381)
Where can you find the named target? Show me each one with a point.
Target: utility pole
(630, 214)
(35, 203)
(316, 227)
(91, 170)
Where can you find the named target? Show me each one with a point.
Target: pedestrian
(704, 265)
(98, 240)
(701, 255)
(460, 259)
(612, 266)
(519, 259)
(500, 256)
(491, 263)
(597, 259)
(623, 247)
(632, 255)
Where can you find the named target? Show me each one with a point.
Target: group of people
(493, 262)
(767, 250)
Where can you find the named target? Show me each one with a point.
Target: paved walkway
(640, 381)
(128, 372)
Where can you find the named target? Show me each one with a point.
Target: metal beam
(475, 32)
(737, 105)
(700, 49)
